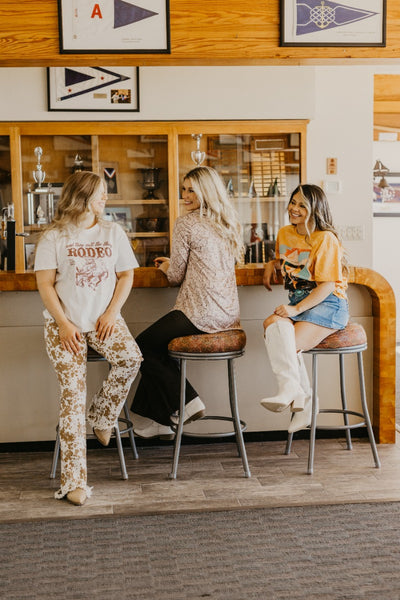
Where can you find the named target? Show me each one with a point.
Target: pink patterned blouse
(203, 264)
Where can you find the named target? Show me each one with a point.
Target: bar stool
(127, 427)
(350, 340)
(225, 345)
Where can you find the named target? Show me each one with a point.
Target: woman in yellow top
(310, 256)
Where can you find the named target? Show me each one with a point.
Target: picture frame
(93, 89)
(387, 207)
(116, 26)
(330, 23)
(119, 214)
(109, 172)
(30, 250)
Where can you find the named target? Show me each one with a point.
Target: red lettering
(107, 251)
(71, 251)
(81, 252)
(91, 252)
(96, 12)
(100, 252)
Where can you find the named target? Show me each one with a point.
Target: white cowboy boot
(281, 348)
(301, 420)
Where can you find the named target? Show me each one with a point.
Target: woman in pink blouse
(206, 241)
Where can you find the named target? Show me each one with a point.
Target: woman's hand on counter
(162, 263)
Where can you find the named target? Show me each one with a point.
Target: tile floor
(210, 477)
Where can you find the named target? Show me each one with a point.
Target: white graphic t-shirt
(86, 261)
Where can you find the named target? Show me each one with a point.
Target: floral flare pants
(124, 357)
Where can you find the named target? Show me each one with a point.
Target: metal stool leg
(236, 419)
(130, 433)
(120, 451)
(56, 454)
(344, 402)
(365, 410)
(179, 429)
(314, 415)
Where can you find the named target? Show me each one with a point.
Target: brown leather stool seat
(350, 340)
(224, 345)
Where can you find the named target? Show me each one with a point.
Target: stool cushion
(352, 335)
(208, 343)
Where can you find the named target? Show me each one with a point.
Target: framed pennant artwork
(93, 88)
(115, 26)
(328, 23)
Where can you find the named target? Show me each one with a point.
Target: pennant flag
(77, 81)
(73, 77)
(317, 15)
(125, 13)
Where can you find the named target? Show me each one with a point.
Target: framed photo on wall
(93, 89)
(109, 172)
(115, 26)
(329, 23)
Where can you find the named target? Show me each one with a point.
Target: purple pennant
(318, 15)
(126, 13)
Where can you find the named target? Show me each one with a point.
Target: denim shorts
(333, 312)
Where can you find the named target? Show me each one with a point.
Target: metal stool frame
(239, 426)
(93, 356)
(364, 415)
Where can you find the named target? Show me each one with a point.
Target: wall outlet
(351, 233)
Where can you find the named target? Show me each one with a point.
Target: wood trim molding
(227, 32)
(384, 329)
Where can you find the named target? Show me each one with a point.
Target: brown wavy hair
(319, 216)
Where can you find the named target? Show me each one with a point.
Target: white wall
(339, 103)
(337, 100)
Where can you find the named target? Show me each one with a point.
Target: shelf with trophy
(259, 171)
(135, 169)
(143, 165)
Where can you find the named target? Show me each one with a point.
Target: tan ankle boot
(77, 497)
(103, 435)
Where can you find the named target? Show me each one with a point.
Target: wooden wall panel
(226, 32)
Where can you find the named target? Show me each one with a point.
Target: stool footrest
(243, 427)
(341, 412)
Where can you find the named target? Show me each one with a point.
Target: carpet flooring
(334, 552)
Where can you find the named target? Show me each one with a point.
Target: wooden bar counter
(384, 328)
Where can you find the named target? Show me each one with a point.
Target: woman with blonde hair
(206, 241)
(310, 257)
(84, 270)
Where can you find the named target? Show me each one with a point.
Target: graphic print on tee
(90, 262)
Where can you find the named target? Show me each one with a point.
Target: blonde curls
(216, 206)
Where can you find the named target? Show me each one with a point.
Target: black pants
(158, 392)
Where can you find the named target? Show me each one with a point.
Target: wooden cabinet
(143, 165)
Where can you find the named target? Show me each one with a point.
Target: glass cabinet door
(259, 170)
(5, 195)
(134, 168)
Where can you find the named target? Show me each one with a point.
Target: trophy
(197, 155)
(41, 200)
(38, 175)
(151, 181)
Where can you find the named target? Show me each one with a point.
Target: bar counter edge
(384, 328)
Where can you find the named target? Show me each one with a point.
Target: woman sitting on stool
(205, 243)
(84, 271)
(310, 256)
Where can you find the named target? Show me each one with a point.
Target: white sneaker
(194, 410)
(155, 430)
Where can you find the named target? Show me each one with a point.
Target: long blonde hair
(216, 206)
(76, 193)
